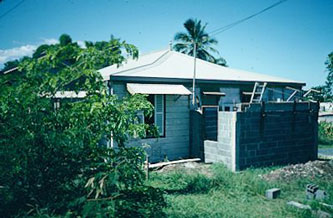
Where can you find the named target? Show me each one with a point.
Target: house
(326, 112)
(166, 76)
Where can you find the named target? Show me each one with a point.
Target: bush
(52, 160)
(325, 133)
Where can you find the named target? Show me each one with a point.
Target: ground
(326, 152)
(201, 190)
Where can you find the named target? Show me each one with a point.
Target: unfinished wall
(273, 134)
(223, 150)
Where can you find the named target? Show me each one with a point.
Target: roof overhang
(177, 80)
(157, 89)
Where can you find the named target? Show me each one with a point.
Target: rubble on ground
(311, 169)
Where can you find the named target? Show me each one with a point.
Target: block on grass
(272, 193)
(299, 205)
(320, 195)
(311, 191)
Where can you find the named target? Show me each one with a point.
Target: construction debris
(321, 195)
(327, 205)
(162, 164)
(272, 193)
(299, 205)
(311, 169)
(321, 214)
(316, 213)
(313, 192)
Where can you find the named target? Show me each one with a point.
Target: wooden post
(194, 73)
(147, 166)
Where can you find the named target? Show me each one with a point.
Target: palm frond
(196, 32)
(181, 36)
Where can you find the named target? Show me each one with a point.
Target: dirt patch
(190, 167)
(311, 169)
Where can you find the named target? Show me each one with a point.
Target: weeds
(325, 134)
(228, 194)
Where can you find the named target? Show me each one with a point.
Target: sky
(291, 40)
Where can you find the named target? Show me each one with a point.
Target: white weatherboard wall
(175, 144)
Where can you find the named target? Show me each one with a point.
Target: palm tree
(196, 34)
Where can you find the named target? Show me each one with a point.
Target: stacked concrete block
(270, 134)
(279, 133)
(223, 150)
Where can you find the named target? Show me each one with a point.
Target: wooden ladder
(258, 92)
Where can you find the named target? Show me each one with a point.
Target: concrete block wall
(277, 134)
(265, 135)
(224, 149)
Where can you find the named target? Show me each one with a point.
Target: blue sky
(291, 40)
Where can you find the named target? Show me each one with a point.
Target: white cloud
(24, 50)
(27, 50)
(14, 53)
(82, 44)
(50, 41)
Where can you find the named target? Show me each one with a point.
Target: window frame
(140, 114)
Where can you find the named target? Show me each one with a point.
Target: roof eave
(184, 80)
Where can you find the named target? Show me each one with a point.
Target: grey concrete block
(320, 195)
(272, 193)
(299, 205)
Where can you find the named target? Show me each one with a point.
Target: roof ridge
(145, 65)
(233, 69)
(154, 51)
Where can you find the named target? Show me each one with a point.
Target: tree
(326, 90)
(65, 39)
(52, 160)
(196, 34)
(329, 78)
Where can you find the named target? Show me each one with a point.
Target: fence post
(147, 167)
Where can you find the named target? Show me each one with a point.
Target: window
(270, 95)
(158, 117)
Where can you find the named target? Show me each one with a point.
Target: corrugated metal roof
(159, 89)
(175, 65)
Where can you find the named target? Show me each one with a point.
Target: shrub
(52, 160)
(325, 133)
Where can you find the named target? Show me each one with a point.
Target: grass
(227, 194)
(330, 145)
(325, 135)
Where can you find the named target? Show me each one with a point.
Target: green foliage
(329, 79)
(65, 40)
(180, 182)
(229, 194)
(325, 133)
(197, 35)
(326, 90)
(52, 161)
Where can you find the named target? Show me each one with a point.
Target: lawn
(330, 145)
(214, 191)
